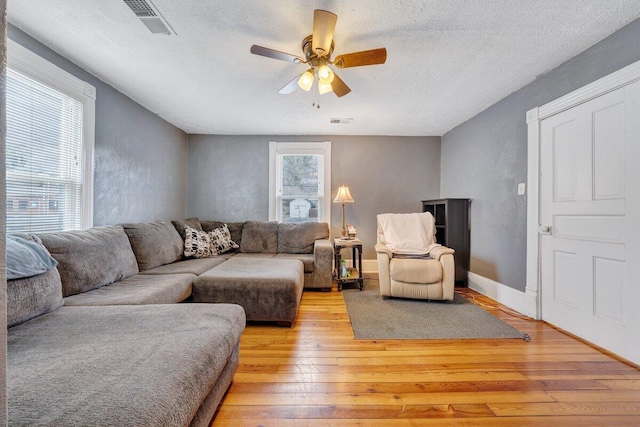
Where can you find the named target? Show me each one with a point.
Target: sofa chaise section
(151, 365)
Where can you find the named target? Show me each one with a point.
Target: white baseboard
(368, 265)
(503, 294)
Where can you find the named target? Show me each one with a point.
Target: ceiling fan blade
(275, 54)
(291, 86)
(357, 59)
(339, 87)
(324, 24)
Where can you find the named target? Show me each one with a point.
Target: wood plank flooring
(316, 374)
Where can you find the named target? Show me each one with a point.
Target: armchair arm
(384, 256)
(382, 249)
(437, 252)
(445, 256)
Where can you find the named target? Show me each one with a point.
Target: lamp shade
(344, 195)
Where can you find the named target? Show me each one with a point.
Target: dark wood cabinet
(452, 230)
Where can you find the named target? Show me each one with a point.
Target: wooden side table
(354, 273)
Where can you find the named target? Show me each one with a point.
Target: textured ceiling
(447, 59)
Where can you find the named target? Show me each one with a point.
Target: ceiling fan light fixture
(317, 49)
(306, 80)
(325, 74)
(324, 87)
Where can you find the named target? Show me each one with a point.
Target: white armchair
(405, 271)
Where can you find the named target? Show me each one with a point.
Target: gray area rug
(375, 318)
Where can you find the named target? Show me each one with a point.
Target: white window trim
(323, 148)
(28, 63)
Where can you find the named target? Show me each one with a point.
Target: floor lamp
(343, 196)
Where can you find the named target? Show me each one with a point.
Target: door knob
(544, 229)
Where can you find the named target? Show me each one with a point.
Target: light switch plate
(522, 188)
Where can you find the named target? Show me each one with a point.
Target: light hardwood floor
(316, 374)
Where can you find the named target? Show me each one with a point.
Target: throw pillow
(221, 240)
(197, 244)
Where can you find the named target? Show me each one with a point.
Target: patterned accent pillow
(221, 240)
(197, 244)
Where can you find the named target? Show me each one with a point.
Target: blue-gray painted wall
(485, 157)
(140, 167)
(229, 177)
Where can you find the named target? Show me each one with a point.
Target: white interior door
(588, 165)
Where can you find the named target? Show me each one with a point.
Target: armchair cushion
(422, 271)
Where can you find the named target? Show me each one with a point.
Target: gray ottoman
(267, 289)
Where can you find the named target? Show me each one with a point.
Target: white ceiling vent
(342, 121)
(148, 13)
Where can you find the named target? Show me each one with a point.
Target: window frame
(26, 62)
(277, 149)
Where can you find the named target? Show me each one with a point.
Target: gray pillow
(154, 243)
(91, 258)
(27, 258)
(300, 238)
(259, 237)
(192, 222)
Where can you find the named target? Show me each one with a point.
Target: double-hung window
(299, 184)
(49, 146)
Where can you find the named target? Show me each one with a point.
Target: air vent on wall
(148, 13)
(342, 121)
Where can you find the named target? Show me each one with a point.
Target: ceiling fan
(317, 49)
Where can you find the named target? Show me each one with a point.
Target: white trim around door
(534, 117)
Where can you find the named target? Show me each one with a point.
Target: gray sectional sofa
(100, 340)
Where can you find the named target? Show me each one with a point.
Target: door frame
(534, 117)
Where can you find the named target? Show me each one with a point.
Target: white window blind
(46, 154)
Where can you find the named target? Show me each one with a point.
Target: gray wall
(3, 270)
(485, 157)
(140, 169)
(229, 177)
